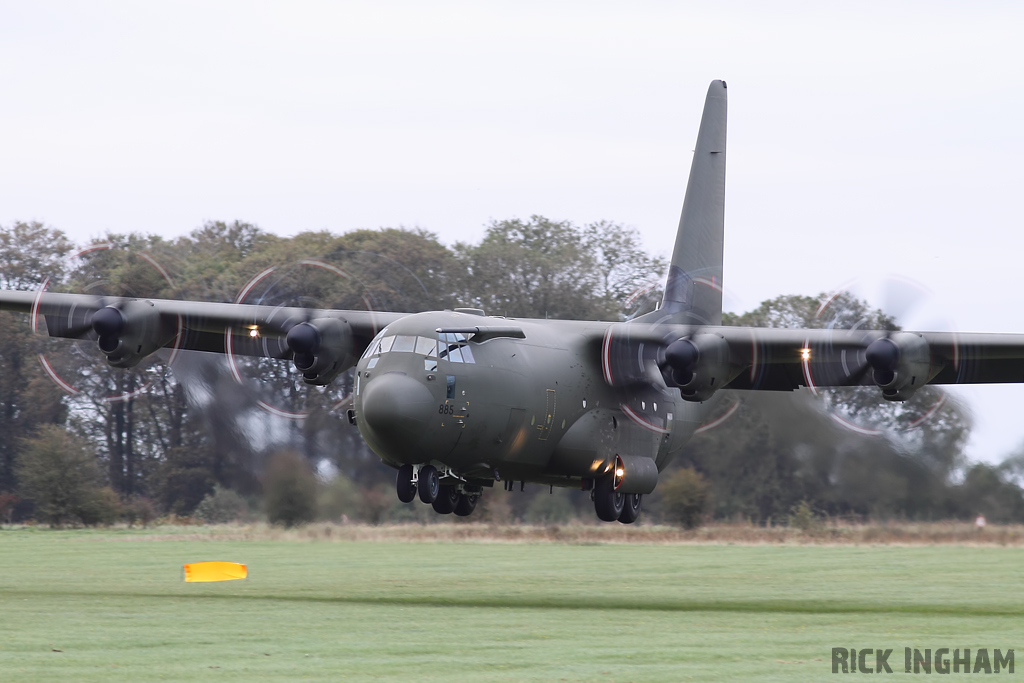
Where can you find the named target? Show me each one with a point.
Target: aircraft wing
(196, 325)
(783, 359)
(776, 359)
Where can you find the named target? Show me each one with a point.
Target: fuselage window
(372, 363)
(467, 355)
(430, 364)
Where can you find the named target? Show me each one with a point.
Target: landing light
(254, 332)
(619, 472)
(805, 354)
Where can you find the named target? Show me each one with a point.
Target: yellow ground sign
(201, 572)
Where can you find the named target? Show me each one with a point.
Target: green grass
(115, 605)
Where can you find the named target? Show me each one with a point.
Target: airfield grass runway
(112, 606)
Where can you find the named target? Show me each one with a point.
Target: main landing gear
(612, 505)
(444, 498)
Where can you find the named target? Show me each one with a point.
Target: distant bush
(60, 475)
(802, 517)
(102, 507)
(494, 508)
(548, 508)
(289, 488)
(222, 506)
(139, 510)
(340, 500)
(180, 488)
(685, 496)
(379, 503)
(8, 501)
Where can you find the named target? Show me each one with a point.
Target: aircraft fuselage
(534, 408)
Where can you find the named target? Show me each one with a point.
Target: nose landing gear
(429, 484)
(466, 504)
(406, 483)
(446, 500)
(425, 480)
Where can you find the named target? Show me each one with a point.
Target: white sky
(869, 139)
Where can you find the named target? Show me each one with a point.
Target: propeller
(883, 355)
(109, 324)
(304, 341)
(127, 331)
(681, 358)
(897, 362)
(319, 345)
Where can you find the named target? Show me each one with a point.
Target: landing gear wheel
(446, 500)
(466, 504)
(630, 508)
(607, 501)
(430, 484)
(406, 489)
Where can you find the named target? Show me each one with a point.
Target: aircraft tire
(608, 502)
(630, 508)
(406, 489)
(430, 484)
(466, 505)
(446, 500)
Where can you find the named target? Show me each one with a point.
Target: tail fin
(693, 291)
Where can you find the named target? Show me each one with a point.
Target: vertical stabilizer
(693, 291)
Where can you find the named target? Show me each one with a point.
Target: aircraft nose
(397, 410)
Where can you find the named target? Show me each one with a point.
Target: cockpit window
(404, 344)
(449, 346)
(374, 346)
(426, 346)
(454, 347)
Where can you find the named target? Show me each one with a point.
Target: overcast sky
(864, 140)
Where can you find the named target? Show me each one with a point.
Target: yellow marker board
(202, 572)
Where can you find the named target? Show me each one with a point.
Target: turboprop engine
(128, 334)
(322, 348)
(698, 365)
(901, 364)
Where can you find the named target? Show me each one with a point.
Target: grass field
(111, 606)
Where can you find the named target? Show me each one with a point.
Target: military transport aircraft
(458, 400)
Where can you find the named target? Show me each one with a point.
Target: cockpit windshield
(448, 346)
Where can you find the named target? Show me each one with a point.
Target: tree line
(190, 436)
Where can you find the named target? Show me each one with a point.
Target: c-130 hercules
(457, 400)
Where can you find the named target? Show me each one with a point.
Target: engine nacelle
(322, 349)
(128, 334)
(698, 365)
(635, 474)
(901, 364)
